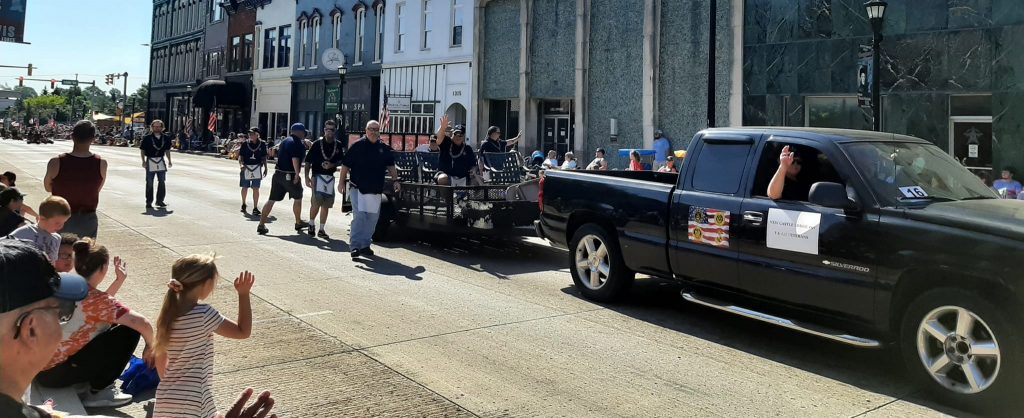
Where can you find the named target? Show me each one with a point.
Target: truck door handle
(753, 218)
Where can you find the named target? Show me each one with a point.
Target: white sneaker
(109, 397)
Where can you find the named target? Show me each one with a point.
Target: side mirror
(831, 195)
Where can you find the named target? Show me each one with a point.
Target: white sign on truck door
(793, 230)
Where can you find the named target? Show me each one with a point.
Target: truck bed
(635, 202)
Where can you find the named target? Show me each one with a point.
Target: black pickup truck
(881, 239)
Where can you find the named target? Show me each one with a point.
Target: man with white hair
(365, 161)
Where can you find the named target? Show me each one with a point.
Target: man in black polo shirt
(456, 159)
(154, 152)
(286, 178)
(323, 159)
(366, 160)
(494, 143)
(252, 161)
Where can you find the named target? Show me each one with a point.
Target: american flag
(385, 115)
(212, 126)
(708, 226)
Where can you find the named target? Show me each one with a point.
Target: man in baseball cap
(34, 302)
(287, 179)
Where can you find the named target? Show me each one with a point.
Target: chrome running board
(782, 322)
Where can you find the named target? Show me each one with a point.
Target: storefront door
(970, 141)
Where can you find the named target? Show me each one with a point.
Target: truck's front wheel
(597, 266)
(963, 349)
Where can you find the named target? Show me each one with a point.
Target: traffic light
(21, 81)
(30, 69)
(110, 79)
(53, 84)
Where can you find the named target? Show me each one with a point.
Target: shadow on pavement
(386, 267)
(501, 257)
(332, 244)
(158, 213)
(657, 302)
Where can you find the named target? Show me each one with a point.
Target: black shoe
(366, 251)
(244, 209)
(256, 212)
(262, 229)
(311, 231)
(161, 204)
(149, 207)
(354, 253)
(323, 234)
(302, 225)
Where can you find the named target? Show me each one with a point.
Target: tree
(143, 91)
(40, 106)
(26, 91)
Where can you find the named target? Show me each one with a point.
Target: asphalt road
(440, 327)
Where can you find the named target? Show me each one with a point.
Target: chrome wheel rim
(958, 349)
(592, 262)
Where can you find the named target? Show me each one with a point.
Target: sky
(90, 37)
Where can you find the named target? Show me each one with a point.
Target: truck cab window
(808, 166)
(719, 167)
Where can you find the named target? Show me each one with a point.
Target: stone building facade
(585, 74)
(176, 57)
(951, 72)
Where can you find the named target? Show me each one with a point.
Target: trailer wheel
(595, 261)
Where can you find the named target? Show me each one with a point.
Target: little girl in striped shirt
(184, 337)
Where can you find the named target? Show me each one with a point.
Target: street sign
(12, 21)
(399, 104)
(69, 82)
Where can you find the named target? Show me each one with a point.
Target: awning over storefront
(220, 93)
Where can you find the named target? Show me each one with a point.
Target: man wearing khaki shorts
(323, 159)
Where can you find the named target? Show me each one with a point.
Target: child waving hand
(184, 336)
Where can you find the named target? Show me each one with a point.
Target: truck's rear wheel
(597, 266)
(963, 349)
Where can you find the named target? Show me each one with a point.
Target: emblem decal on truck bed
(708, 226)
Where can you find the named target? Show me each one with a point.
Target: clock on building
(333, 58)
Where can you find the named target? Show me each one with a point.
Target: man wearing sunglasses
(34, 302)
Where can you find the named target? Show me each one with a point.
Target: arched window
(316, 41)
(304, 39)
(336, 29)
(378, 42)
(360, 11)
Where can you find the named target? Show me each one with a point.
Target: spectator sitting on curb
(10, 211)
(66, 253)
(101, 340)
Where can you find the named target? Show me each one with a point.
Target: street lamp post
(188, 112)
(876, 15)
(342, 70)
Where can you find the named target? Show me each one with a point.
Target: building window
(235, 61)
(360, 26)
(269, 46)
(378, 46)
(457, 22)
(284, 46)
(336, 30)
(836, 112)
(425, 23)
(304, 36)
(316, 42)
(259, 51)
(399, 28)
(420, 119)
(216, 12)
(247, 52)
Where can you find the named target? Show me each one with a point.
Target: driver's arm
(777, 184)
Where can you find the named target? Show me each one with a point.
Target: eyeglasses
(65, 310)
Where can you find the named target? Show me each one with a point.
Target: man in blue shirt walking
(286, 179)
(662, 146)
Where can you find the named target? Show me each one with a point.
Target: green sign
(331, 100)
(69, 82)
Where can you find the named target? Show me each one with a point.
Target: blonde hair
(188, 274)
(54, 206)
